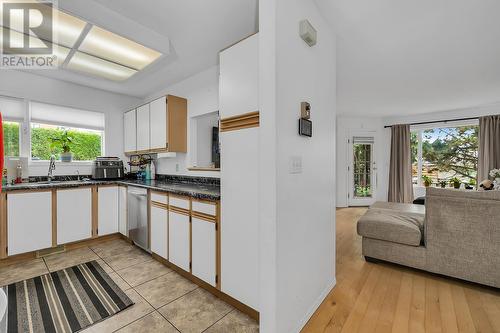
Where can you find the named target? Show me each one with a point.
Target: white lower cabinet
(159, 231)
(203, 250)
(108, 210)
(74, 215)
(29, 222)
(178, 239)
(122, 212)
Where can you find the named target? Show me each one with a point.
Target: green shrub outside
(11, 139)
(85, 146)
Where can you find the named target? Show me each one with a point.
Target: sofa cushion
(393, 225)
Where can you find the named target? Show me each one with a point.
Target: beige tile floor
(164, 300)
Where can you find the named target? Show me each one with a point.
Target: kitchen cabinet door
(239, 215)
(239, 78)
(130, 131)
(158, 123)
(178, 239)
(122, 214)
(143, 127)
(29, 222)
(203, 250)
(74, 215)
(108, 210)
(159, 231)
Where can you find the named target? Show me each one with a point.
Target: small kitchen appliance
(107, 168)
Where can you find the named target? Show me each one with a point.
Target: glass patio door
(362, 171)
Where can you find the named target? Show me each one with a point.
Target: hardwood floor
(389, 298)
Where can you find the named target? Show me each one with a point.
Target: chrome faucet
(52, 167)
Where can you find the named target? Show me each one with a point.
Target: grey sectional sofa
(456, 233)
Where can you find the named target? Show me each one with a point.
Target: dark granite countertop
(195, 190)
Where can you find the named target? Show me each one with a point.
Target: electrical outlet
(295, 164)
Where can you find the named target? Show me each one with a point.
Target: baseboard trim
(22, 257)
(315, 305)
(211, 289)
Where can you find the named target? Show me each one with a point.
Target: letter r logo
(30, 28)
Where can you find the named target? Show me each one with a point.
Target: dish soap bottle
(153, 170)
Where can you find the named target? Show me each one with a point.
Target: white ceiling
(398, 57)
(189, 33)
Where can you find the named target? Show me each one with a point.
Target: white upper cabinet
(108, 210)
(130, 131)
(239, 78)
(143, 128)
(29, 222)
(74, 215)
(159, 126)
(158, 123)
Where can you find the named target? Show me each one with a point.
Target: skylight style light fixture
(92, 65)
(109, 46)
(87, 48)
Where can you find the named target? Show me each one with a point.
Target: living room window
(445, 152)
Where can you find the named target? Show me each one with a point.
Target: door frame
(351, 201)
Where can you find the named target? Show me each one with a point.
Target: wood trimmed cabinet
(239, 137)
(157, 127)
(185, 232)
(74, 215)
(63, 215)
(28, 213)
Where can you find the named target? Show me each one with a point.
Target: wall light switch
(295, 164)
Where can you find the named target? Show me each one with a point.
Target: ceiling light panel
(107, 45)
(16, 39)
(95, 66)
(66, 29)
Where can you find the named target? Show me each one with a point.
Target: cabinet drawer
(204, 207)
(159, 197)
(179, 202)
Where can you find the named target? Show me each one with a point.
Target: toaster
(107, 168)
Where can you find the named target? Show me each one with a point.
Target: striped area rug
(64, 301)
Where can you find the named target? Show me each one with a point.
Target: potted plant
(427, 180)
(455, 182)
(64, 143)
(470, 185)
(443, 183)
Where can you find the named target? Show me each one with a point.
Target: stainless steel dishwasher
(137, 215)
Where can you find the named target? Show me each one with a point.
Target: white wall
(298, 233)
(38, 88)
(202, 93)
(383, 139)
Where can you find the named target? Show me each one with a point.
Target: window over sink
(86, 144)
(85, 130)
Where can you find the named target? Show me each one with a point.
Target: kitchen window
(13, 112)
(86, 144)
(445, 152)
(11, 138)
(84, 128)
